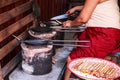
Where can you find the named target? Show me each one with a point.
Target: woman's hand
(70, 23)
(67, 23)
(72, 10)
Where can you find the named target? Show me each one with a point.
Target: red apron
(103, 41)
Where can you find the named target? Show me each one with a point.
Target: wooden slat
(50, 8)
(9, 38)
(7, 2)
(10, 46)
(14, 12)
(11, 6)
(13, 62)
(14, 27)
(8, 57)
(15, 19)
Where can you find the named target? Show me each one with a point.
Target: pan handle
(71, 31)
(70, 40)
(59, 22)
(70, 45)
(19, 40)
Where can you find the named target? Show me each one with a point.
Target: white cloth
(106, 14)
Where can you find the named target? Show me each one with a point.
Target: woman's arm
(85, 14)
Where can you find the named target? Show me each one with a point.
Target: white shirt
(106, 15)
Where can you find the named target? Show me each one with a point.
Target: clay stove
(37, 60)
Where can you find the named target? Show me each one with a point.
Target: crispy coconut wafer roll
(82, 65)
(92, 68)
(112, 73)
(109, 72)
(77, 65)
(100, 67)
(83, 69)
(97, 66)
(102, 72)
(106, 69)
(88, 68)
(96, 70)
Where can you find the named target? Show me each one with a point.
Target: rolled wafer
(102, 72)
(113, 74)
(83, 69)
(77, 65)
(89, 67)
(82, 65)
(95, 72)
(109, 72)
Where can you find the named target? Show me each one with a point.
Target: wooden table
(57, 68)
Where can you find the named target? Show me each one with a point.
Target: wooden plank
(15, 19)
(14, 12)
(10, 46)
(10, 56)
(7, 2)
(11, 6)
(14, 27)
(18, 32)
(11, 64)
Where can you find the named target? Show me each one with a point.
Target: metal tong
(66, 16)
(71, 41)
(75, 29)
(36, 42)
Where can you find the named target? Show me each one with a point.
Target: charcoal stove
(37, 60)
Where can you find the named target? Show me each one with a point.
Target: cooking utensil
(50, 23)
(36, 42)
(56, 26)
(72, 31)
(59, 22)
(31, 41)
(40, 30)
(64, 16)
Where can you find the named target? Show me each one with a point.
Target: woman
(102, 19)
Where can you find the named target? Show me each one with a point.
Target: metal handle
(70, 40)
(59, 22)
(16, 37)
(71, 31)
(71, 45)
